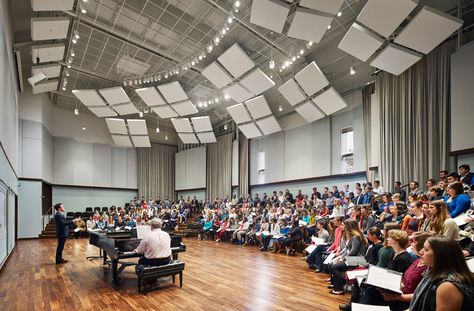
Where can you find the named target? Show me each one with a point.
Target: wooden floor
(218, 276)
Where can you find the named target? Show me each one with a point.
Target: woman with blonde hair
(441, 223)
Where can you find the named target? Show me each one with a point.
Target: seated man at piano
(155, 246)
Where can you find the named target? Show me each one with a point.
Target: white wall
(29, 209)
(310, 150)
(77, 199)
(190, 168)
(98, 165)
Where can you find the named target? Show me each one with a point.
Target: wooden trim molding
(461, 152)
(76, 186)
(310, 179)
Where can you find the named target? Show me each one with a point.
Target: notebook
(363, 307)
(354, 261)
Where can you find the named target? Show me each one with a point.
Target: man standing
(467, 177)
(397, 189)
(62, 231)
(155, 246)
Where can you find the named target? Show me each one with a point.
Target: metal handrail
(48, 214)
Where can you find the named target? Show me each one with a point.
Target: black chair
(77, 214)
(105, 209)
(88, 209)
(69, 215)
(97, 208)
(127, 205)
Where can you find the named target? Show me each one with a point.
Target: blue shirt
(459, 205)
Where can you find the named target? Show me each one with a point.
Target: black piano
(119, 244)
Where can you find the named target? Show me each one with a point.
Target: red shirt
(412, 277)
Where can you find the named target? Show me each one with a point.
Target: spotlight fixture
(237, 4)
(64, 88)
(352, 71)
(166, 137)
(83, 128)
(301, 52)
(157, 129)
(200, 105)
(229, 20)
(205, 104)
(226, 97)
(72, 53)
(216, 100)
(140, 114)
(69, 66)
(225, 127)
(329, 26)
(76, 34)
(83, 10)
(339, 14)
(271, 64)
(293, 58)
(76, 111)
(67, 73)
(280, 108)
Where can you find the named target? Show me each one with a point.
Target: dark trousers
(337, 275)
(316, 257)
(154, 262)
(60, 248)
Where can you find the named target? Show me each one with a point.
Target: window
(347, 150)
(261, 167)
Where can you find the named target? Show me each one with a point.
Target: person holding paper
(315, 259)
(62, 231)
(356, 245)
(449, 284)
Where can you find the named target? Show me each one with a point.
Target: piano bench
(148, 274)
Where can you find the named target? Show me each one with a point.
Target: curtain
(219, 167)
(243, 165)
(156, 175)
(367, 92)
(414, 119)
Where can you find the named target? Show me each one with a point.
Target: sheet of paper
(384, 278)
(266, 232)
(363, 307)
(302, 223)
(142, 230)
(461, 219)
(310, 248)
(318, 241)
(76, 230)
(470, 264)
(356, 273)
(360, 279)
(329, 258)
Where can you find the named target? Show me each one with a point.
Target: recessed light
(83, 128)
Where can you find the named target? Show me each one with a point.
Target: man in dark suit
(62, 231)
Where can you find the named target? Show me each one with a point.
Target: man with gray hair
(155, 246)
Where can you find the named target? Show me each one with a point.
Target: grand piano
(119, 245)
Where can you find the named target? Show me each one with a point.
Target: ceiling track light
(271, 64)
(140, 114)
(339, 14)
(83, 10)
(76, 34)
(72, 53)
(352, 71)
(76, 111)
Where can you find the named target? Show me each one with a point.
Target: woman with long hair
(448, 284)
(356, 245)
(440, 222)
(417, 219)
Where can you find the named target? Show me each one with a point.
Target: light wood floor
(218, 276)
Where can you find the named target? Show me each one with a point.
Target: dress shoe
(61, 261)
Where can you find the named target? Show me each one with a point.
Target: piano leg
(105, 258)
(115, 271)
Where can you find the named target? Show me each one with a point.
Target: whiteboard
(190, 169)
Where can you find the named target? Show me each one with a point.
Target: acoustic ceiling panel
(258, 107)
(270, 14)
(303, 17)
(46, 86)
(185, 108)
(309, 112)
(51, 71)
(116, 126)
(165, 112)
(257, 82)
(236, 61)
(122, 140)
(395, 59)
(182, 125)
(137, 127)
(360, 42)
(47, 52)
(202, 124)
(292, 92)
(328, 6)
(141, 141)
(188, 138)
(52, 5)
(125, 109)
(115, 95)
(428, 29)
(49, 28)
(173, 92)
(103, 111)
(311, 79)
(238, 113)
(206, 137)
(250, 130)
(330, 101)
(150, 96)
(269, 125)
(237, 92)
(217, 75)
(384, 16)
(89, 97)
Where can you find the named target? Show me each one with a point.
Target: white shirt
(156, 244)
(378, 190)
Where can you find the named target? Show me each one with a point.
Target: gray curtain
(367, 92)
(414, 119)
(156, 175)
(243, 165)
(219, 167)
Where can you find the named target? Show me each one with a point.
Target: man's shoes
(330, 286)
(61, 261)
(345, 307)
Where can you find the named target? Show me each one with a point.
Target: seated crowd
(411, 232)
